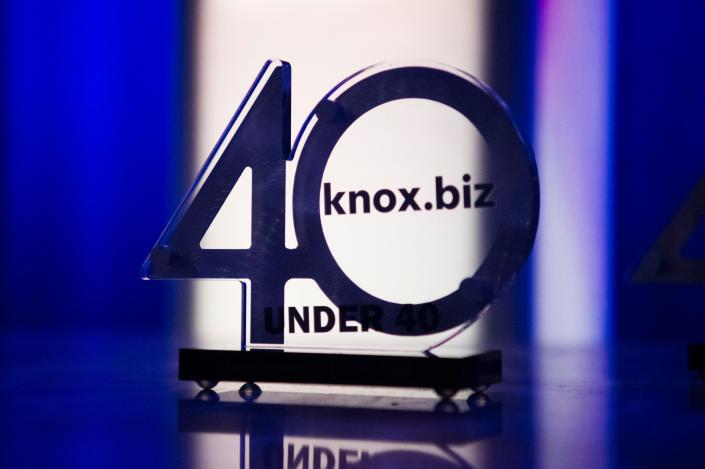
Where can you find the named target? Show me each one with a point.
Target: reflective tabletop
(114, 401)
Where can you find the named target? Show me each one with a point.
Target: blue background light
(92, 106)
(93, 109)
(659, 157)
(93, 143)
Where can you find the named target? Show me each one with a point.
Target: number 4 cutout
(257, 142)
(664, 262)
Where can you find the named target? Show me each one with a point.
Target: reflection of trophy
(297, 431)
(468, 209)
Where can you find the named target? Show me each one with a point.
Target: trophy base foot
(696, 357)
(445, 375)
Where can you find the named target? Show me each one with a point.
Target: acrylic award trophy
(400, 238)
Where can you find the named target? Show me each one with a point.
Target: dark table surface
(114, 401)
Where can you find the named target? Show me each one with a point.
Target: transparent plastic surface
(415, 204)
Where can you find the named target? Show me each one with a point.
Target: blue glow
(573, 153)
(91, 106)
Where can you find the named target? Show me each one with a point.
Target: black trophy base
(696, 357)
(445, 375)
